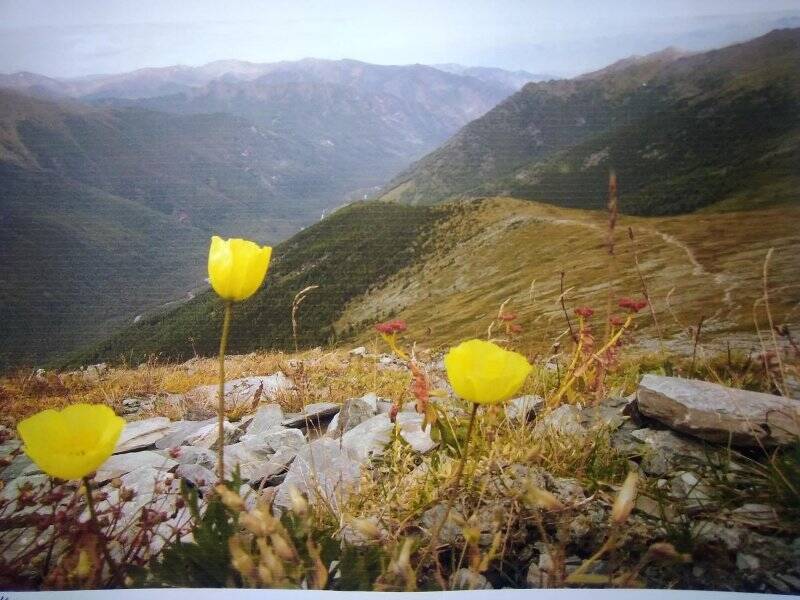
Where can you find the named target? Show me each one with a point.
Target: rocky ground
(702, 452)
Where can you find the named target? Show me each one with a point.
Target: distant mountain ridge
(682, 131)
(138, 184)
(160, 81)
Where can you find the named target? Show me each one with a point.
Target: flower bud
(623, 505)
(229, 498)
(281, 547)
(299, 503)
(240, 560)
(366, 528)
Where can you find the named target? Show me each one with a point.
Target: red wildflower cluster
(516, 328)
(632, 304)
(617, 321)
(391, 327)
(584, 311)
(508, 316)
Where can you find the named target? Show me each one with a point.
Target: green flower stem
(96, 526)
(453, 489)
(223, 343)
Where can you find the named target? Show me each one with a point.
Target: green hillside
(349, 252)
(77, 260)
(683, 132)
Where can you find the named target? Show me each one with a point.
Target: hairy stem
(223, 343)
(453, 489)
(100, 536)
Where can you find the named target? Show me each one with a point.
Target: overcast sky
(562, 37)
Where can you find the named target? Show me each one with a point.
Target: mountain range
(710, 132)
(717, 131)
(125, 186)
(682, 131)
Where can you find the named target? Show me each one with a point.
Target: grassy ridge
(355, 248)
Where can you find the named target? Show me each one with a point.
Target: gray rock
(540, 570)
(273, 467)
(206, 436)
(192, 455)
(756, 515)
(12, 488)
(120, 464)
(564, 420)
(451, 531)
(663, 450)
(747, 562)
(321, 471)
(360, 351)
(20, 465)
(248, 456)
(694, 493)
(368, 438)
(149, 486)
(285, 439)
(138, 435)
(199, 476)
(92, 373)
(524, 408)
(466, 579)
(354, 411)
(313, 415)
(130, 406)
(266, 418)
(711, 532)
(718, 413)
(411, 431)
(180, 431)
(568, 490)
(240, 392)
(608, 414)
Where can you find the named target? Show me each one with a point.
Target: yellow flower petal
(71, 443)
(484, 372)
(236, 267)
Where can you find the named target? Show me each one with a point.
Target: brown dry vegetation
(700, 265)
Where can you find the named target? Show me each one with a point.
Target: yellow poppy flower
(236, 268)
(71, 443)
(485, 373)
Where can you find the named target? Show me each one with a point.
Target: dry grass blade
(298, 300)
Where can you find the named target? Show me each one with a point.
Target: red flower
(516, 328)
(632, 305)
(584, 311)
(617, 321)
(390, 327)
(508, 316)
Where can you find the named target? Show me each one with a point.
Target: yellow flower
(484, 372)
(71, 443)
(236, 268)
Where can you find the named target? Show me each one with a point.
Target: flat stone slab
(321, 471)
(664, 450)
(206, 436)
(266, 418)
(524, 408)
(239, 392)
(121, 464)
(313, 415)
(179, 432)
(142, 434)
(367, 439)
(719, 414)
(564, 420)
(412, 433)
